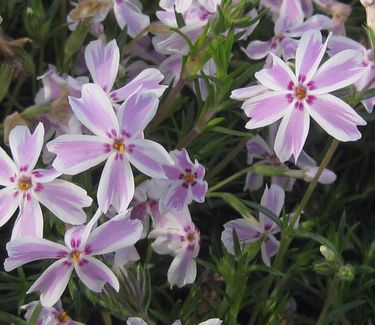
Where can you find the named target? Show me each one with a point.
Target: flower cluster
(98, 132)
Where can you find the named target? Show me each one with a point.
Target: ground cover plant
(187, 162)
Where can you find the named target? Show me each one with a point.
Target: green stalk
(329, 300)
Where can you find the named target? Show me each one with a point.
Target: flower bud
(327, 253)
(323, 268)
(12, 121)
(370, 12)
(327, 176)
(346, 273)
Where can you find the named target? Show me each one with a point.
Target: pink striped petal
(116, 185)
(340, 43)
(94, 110)
(290, 15)
(8, 169)
(148, 157)
(45, 175)
(278, 77)
(247, 92)
(128, 13)
(26, 147)
(336, 117)
(339, 71)
(136, 113)
(269, 248)
(266, 109)
(310, 52)
(273, 199)
(246, 231)
(76, 153)
(103, 60)
(257, 50)
(178, 196)
(28, 249)
(65, 200)
(95, 274)
(147, 81)
(292, 134)
(52, 282)
(8, 204)
(115, 234)
(257, 148)
(199, 190)
(30, 219)
(317, 22)
(183, 269)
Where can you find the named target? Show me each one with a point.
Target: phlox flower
(25, 187)
(103, 61)
(127, 13)
(247, 231)
(184, 181)
(289, 25)
(261, 150)
(54, 315)
(341, 43)
(118, 140)
(81, 244)
(175, 234)
(295, 97)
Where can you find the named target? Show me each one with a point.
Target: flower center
(63, 317)
(75, 255)
(300, 92)
(119, 146)
(189, 178)
(24, 183)
(191, 237)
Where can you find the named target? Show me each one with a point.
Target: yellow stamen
(189, 178)
(300, 92)
(191, 237)
(63, 317)
(24, 184)
(75, 255)
(119, 146)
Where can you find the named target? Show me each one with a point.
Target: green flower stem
(137, 37)
(227, 159)
(35, 315)
(332, 292)
(196, 130)
(163, 110)
(286, 234)
(230, 178)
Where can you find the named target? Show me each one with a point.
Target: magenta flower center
(24, 183)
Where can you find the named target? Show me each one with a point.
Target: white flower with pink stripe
(25, 187)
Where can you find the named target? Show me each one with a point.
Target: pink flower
(117, 140)
(185, 181)
(341, 43)
(273, 199)
(103, 61)
(81, 244)
(259, 149)
(127, 13)
(288, 26)
(25, 187)
(178, 236)
(296, 97)
(54, 315)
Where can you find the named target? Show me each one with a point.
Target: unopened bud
(323, 268)
(327, 253)
(346, 273)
